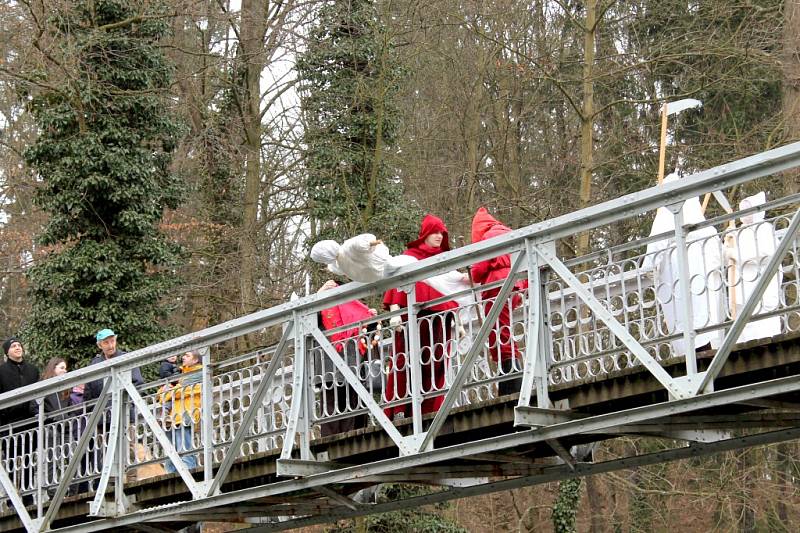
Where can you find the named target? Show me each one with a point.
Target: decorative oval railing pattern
(567, 321)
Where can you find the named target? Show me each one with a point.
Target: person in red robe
(435, 328)
(502, 346)
(338, 396)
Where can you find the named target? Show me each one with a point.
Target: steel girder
(613, 422)
(532, 244)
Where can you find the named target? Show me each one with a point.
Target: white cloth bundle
(359, 258)
(705, 261)
(753, 246)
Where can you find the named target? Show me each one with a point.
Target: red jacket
(342, 315)
(485, 226)
(419, 250)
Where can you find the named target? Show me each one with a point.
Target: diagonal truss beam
(472, 354)
(111, 452)
(338, 498)
(256, 402)
(77, 456)
(16, 500)
(605, 315)
(166, 443)
(721, 357)
(363, 394)
(488, 445)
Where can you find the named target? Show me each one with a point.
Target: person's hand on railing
(396, 320)
(328, 285)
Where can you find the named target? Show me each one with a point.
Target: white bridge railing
(613, 309)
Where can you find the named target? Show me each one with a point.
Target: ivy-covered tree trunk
(565, 510)
(349, 78)
(103, 155)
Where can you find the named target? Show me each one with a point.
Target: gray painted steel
(590, 318)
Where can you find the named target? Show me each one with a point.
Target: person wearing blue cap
(107, 342)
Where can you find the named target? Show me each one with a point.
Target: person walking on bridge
(56, 430)
(186, 399)
(502, 346)
(107, 342)
(435, 325)
(338, 396)
(16, 373)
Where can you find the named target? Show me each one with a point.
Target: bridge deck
(599, 344)
(624, 389)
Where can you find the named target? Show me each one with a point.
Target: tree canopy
(103, 154)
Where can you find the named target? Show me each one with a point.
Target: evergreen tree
(103, 155)
(349, 79)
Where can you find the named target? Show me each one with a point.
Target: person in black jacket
(16, 373)
(169, 368)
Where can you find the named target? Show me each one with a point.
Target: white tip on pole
(687, 103)
(670, 108)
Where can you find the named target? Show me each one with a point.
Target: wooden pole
(662, 149)
(706, 198)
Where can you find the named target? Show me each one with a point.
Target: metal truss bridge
(690, 335)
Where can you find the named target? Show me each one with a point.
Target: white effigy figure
(753, 247)
(705, 262)
(364, 258)
(360, 258)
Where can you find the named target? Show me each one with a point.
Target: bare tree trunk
(747, 516)
(587, 117)
(791, 83)
(472, 137)
(253, 25)
(783, 467)
(594, 495)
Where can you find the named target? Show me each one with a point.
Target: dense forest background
(164, 166)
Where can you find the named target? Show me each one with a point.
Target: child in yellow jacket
(186, 399)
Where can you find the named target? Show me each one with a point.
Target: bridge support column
(686, 318)
(414, 360)
(535, 371)
(298, 415)
(114, 455)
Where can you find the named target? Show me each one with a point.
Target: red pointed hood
(431, 224)
(485, 226)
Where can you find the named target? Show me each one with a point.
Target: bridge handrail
(723, 176)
